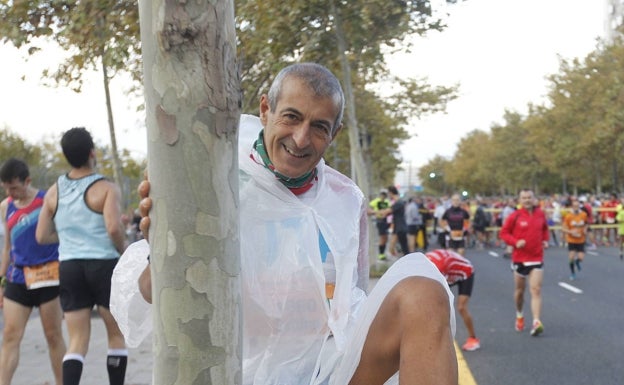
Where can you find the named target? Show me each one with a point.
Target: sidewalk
(34, 365)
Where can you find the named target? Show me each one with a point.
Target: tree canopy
(572, 142)
(270, 36)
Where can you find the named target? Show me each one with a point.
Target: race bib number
(457, 235)
(43, 275)
(610, 220)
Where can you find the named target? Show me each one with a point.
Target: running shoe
(519, 324)
(472, 344)
(538, 328)
(382, 257)
(572, 277)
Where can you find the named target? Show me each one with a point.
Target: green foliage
(132, 173)
(87, 30)
(270, 35)
(433, 176)
(13, 146)
(574, 142)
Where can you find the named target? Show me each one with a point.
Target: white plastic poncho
(286, 317)
(132, 313)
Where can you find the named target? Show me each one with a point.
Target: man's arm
(6, 248)
(46, 230)
(112, 217)
(507, 229)
(145, 284)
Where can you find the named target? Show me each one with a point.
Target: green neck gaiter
(292, 183)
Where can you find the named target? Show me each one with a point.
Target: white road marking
(493, 254)
(571, 288)
(592, 253)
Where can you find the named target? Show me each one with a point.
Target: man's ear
(264, 109)
(336, 131)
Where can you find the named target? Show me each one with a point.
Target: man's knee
(462, 303)
(536, 291)
(415, 298)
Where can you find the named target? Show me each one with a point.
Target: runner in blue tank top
(29, 272)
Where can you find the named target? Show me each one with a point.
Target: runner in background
(459, 272)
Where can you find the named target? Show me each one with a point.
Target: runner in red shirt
(526, 230)
(458, 271)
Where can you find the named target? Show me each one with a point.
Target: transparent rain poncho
(287, 317)
(290, 248)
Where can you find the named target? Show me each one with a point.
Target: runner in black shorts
(453, 221)
(86, 283)
(82, 210)
(20, 291)
(459, 272)
(381, 220)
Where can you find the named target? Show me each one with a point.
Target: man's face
(455, 200)
(16, 189)
(526, 199)
(299, 131)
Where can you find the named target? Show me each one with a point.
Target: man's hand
(520, 244)
(145, 205)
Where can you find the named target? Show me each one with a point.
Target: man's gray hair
(320, 80)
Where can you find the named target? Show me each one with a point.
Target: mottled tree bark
(193, 101)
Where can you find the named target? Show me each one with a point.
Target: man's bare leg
(411, 333)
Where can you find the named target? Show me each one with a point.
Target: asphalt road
(583, 342)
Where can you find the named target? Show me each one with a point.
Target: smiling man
(304, 258)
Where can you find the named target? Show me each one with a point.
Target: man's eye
(322, 129)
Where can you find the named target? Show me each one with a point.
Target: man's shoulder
(336, 177)
(4, 204)
(340, 187)
(104, 188)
